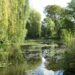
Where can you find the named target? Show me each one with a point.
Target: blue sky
(40, 4)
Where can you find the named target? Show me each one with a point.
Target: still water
(45, 60)
(42, 70)
(50, 60)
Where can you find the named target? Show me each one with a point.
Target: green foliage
(63, 19)
(13, 17)
(50, 26)
(69, 58)
(17, 19)
(66, 37)
(53, 11)
(69, 39)
(14, 70)
(71, 8)
(34, 25)
(15, 55)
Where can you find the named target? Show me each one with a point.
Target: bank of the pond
(43, 43)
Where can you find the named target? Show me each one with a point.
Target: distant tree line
(58, 22)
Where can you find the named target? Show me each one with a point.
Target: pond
(45, 60)
(39, 60)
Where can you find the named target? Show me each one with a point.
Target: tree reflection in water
(32, 60)
(51, 64)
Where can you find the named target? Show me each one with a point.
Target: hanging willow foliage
(13, 16)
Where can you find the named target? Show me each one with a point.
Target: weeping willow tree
(13, 17)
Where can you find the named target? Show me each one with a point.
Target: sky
(40, 4)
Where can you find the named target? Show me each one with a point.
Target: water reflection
(47, 67)
(42, 70)
(38, 61)
(32, 56)
(32, 61)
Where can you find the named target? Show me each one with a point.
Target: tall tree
(49, 26)
(55, 12)
(13, 17)
(71, 8)
(34, 25)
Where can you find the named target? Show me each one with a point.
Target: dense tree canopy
(13, 17)
(50, 26)
(53, 11)
(34, 25)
